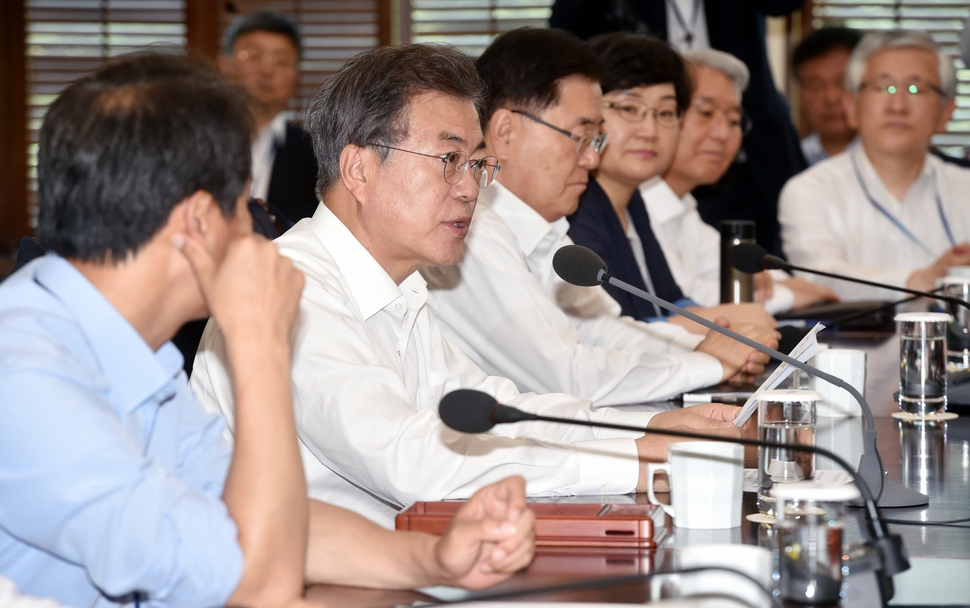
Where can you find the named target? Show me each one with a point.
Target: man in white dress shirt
(710, 137)
(887, 210)
(401, 162)
(504, 305)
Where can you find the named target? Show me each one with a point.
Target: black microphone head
(579, 265)
(748, 257)
(467, 411)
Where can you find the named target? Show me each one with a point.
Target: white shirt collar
(662, 202)
(278, 127)
(875, 184)
(526, 224)
(369, 284)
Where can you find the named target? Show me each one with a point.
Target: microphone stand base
(895, 495)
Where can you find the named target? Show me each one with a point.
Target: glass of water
(784, 416)
(809, 543)
(958, 334)
(922, 362)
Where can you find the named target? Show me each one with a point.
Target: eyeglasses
(254, 56)
(457, 163)
(887, 88)
(734, 118)
(596, 141)
(635, 113)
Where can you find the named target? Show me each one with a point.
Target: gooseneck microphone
(752, 258)
(471, 411)
(581, 266)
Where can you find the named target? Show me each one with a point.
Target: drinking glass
(784, 416)
(922, 362)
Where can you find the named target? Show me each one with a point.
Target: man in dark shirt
(261, 52)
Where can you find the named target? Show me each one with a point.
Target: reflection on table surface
(930, 457)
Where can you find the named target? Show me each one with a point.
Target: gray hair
(725, 63)
(367, 101)
(874, 42)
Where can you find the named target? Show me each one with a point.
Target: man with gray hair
(887, 210)
(402, 159)
(711, 131)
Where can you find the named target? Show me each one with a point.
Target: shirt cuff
(683, 303)
(617, 416)
(702, 369)
(680, 340)
(608, 466)
(782, 299)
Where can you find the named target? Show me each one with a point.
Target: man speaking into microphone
(401, 160)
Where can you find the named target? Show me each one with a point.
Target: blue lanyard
(895, 220)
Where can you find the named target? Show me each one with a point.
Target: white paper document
(803, 351)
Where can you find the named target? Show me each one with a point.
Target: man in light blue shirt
(116, 487)
(105, 439)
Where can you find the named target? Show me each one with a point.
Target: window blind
(67, 39)
(470, 25)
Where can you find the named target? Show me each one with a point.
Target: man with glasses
(710, 136)
(504, 305)
(886, 210)
(401, 163)
(261, 52)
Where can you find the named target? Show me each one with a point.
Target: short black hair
(262, 21)
(630, 60)
(822, 41)
(120, 148)
(522, 68)
(367, 101)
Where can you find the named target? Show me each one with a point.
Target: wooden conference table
(933, 458)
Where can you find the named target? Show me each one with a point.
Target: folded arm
(490, 538)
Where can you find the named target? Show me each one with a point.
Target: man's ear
(849, 102)
(225, 65)
(354, 166)
(193, 215)
(949, 105)
(501, 132)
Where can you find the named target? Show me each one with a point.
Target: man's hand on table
(713, 419)
(741, 363)
(490, 538)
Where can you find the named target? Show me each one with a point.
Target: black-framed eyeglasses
(596, 141)
(457, 163)
(888, 88)
(635, 113)
(735, 120)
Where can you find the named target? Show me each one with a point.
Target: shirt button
(398, 307)
(607, 489)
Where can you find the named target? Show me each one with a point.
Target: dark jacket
(293, 182)
(596, 225)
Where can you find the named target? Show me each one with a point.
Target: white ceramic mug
(848, 364)
(705, 484)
